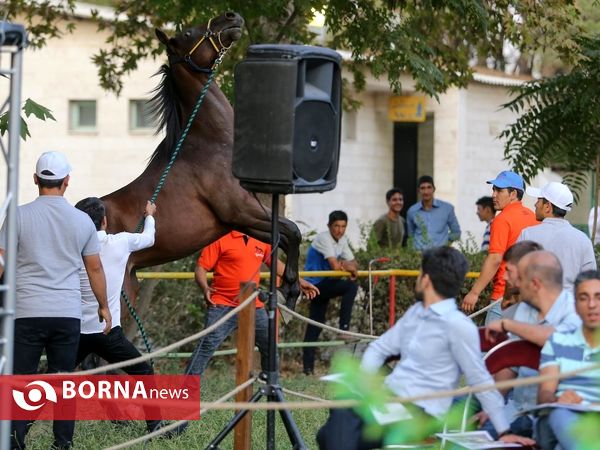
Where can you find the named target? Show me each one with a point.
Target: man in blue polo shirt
(431, 222)
(565, 352)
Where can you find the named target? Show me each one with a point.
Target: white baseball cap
(556, 193)
(52, 166)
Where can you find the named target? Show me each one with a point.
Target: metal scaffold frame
(13, 40)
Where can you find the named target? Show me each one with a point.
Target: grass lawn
(215, 383)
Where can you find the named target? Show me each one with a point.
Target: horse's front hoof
(291, 295)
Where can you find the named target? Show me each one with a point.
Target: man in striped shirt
(565, 352)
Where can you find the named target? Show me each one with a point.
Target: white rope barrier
(322, 325)
(175, 425)
(434, 395)
(173, 346)
(482, 310)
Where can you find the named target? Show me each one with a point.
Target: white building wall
(446, 144)
(481, 155)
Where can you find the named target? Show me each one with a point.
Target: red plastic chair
(487, 345)
(509, 353)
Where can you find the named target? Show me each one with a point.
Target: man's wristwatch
(504, 433)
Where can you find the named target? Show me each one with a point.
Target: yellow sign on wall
(406, 108)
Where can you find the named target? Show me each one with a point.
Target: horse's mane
(166, 112)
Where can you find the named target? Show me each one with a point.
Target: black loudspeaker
(287, 119)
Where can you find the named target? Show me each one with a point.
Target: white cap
(556, 193)
(52, 166)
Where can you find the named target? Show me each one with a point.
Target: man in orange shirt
(507, 192)
(235, 258)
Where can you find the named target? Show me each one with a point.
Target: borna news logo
(100, 397)
(34, 398)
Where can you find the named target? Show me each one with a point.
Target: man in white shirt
(114, 254)
(572, 247)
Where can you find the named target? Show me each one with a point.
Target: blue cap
(508, 179)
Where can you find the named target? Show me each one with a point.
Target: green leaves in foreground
(369, 389)
(587, 430)
(29, 108)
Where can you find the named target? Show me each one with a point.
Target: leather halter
(210, 35)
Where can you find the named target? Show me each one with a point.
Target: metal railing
(13, 40)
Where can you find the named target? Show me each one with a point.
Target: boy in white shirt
(114, 254)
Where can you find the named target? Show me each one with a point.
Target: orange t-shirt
(233, 261)
(504, 232)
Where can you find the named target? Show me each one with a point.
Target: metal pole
(272, 371)
(10, 273)
(371, 296)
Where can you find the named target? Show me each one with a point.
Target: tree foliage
(559, 122)
(434, 41)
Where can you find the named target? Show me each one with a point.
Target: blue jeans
(554, 430)
(329, 288)
(522, 425)
(209, 343)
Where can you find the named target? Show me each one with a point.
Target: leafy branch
(29, 108)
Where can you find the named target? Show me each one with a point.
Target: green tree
(559, 122)
(435, 42)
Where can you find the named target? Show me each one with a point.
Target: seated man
(544, 309)
(565, 352)
(437, 343)
(512, 295)
(330, 251)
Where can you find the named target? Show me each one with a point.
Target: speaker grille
(314, 137)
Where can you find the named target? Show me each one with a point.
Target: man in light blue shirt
(437, 344)
(431, 222)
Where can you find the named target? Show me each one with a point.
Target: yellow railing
(319, 273)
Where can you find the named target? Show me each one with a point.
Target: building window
(140, 115)
(83, 115)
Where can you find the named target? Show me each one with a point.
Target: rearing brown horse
(201, 200)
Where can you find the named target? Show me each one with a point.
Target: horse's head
(200, 46)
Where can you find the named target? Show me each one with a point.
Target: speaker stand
(272, 390)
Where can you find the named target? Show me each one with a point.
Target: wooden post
(244, 362)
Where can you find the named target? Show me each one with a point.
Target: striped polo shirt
(570, 351)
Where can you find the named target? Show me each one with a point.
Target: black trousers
(59, 336)
(344, 430)
(329, 288)
(114, 347)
